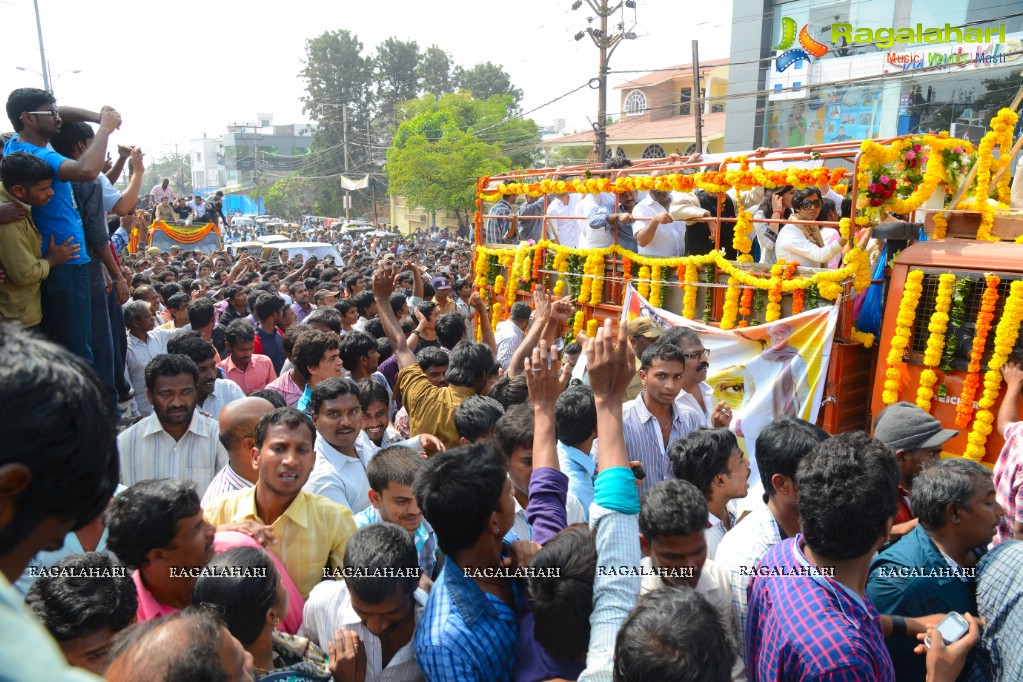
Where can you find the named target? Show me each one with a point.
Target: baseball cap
(904, 426)
(175, 248)
(441, 283)
(325, 292)
(645, 327)
(153, 251)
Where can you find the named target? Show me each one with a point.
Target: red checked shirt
(1008, 479)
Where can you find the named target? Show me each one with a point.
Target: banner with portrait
(761, 372)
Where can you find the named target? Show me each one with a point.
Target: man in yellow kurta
(26, 183)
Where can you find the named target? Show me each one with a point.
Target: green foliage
(292, 197)
(434, 72)
(486, 80)
(394, 71)
(175, 167)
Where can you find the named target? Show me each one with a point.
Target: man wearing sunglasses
(65, 292)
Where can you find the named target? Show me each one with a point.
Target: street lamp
(51, 81)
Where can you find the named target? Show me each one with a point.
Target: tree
(292, 197)
(486, 80)
(175, 167)
(338, 78)
(434, 72)
(444, 143)
(394, 69)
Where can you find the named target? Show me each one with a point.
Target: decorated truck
(204, 238)
(928, 312)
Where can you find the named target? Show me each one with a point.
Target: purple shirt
(300, 312)
(548, 490)
(802, 627)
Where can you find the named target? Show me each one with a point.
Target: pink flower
(872, 188)
(885, 179)
(959, 150)
(910, 155)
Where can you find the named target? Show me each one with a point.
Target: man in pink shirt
(252, 372)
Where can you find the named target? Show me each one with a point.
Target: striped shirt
(424, 537)
(224, 392)
(226, 481)
(330, 608)
(148, 451)
(1008, 479)
(496, 229)
(286, 386)
(311, 533)
(465, 633)
(643, 440)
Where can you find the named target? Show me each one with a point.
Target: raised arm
(90, 163)
(122, 158)
(548, 487)
(610, 369)
(130, 195)
(483, 321)
(541, 314)
(383, 287)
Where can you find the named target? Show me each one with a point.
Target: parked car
(272, 238)
(253, 248)
(306, 249)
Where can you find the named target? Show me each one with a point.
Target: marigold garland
(866, 339)
(730, 311)
(591, 328)
(1005, 339)
(741, 241)
(798, 301)
(643, 285)
(496, 317)
(655, 286)
(559, 288)
(577, 322)
(999, 135)
(964, 410)
(498, 284)
(903, 332)
(940, 225)
(937, 327)
(689, 298)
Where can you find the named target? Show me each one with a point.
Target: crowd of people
(225, 469)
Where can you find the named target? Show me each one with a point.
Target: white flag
(355, 184)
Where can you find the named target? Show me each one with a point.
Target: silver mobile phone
(952, 628)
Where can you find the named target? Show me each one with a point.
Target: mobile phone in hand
(951, 628)
(639, 472)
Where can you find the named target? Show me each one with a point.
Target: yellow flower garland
(643, 285)
(843, 228)
(937, 327)
(498, 284)
(1005, 340)
(774, 292)
(903, 332)
(689, 298)
(577, 322)
(1000, 135)
(559, 287)
(940, 225)
(496, 317)
(591, 328)
(730, 311)
(741, 241)
(655, 286)
(866, 339)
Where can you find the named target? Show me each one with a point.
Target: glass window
(686, 102)
(654, 151)
(635, 103)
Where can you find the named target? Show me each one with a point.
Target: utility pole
(606, 44)
(344, 140)
(372, 166)
(42, 52)
(697, 103)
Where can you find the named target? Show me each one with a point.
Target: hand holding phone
(952, 628)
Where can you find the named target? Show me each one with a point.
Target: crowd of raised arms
(226, 468)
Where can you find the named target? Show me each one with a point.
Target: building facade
(809, 72)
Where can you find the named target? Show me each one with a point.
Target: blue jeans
(67, 309)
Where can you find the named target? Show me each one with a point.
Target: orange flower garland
(689, 298)
(903, 332)
(964, 410)
(798, 301)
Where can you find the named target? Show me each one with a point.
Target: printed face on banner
(762, 373)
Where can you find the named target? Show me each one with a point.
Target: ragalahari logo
(808, 50)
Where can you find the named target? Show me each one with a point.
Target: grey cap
(904, 426)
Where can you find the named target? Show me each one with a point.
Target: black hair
(767, 207)
(243, 597)
(450, 329)
(22, 169)
(70, 135)
(198, 661)
(428, 291)
(509, 390)
(239, 330)
(291, 336)
(283, 416)
(395, 464)
(380, 548)
(311, 283)
(191, 344)
(58, 423)
(781, 445)
(575, 415)
(271, 396)
(398, 302)
(267, 306)
(426, 309)
(72, 603)
(520, 310)
(461, 284)
(331, 389)
(363, 301)
(343, 306)
(562, 605)
(168, 365)
(329, 274)
(948, 481)
(295, 286)
(201, 312)
(827, 206)
(432, 356)
(676, 336)
(24, 100)
(384, 349)
(514, 429)
(470, 363)
(666, 352)
(352, 282)
(145, 517)
(328, 317)
(848, 491)
(310, 347)
(458, 490)
(672, 507)
(702, 456)
(673, 634)
(169, 289)
(802, 194)
(572, 348)
(354, 347)
(477, 416)
(370, 391)
(375, 328)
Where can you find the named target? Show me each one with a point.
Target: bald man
(238, 436)
(192, 642)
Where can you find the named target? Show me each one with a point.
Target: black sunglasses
(816, 203)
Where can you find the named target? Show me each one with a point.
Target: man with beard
(214, 393)
(309, 531)
(157, 527)
(696, 392)
(177, 440)
(301, 306)
(776, 385)
(672, 526)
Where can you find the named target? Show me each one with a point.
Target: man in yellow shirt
(26, 182)
(307, 532)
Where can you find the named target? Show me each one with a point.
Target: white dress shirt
(566, 229)
(139, 355)
(224, 392)
(524, 531)
(686, 398)
(225, 482)
(339, 477)
(508, 337)
(669, 240)
(148, 451)
(794, 247)
(589, 238)
(329, 608)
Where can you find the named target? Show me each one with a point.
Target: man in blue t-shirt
(65, 293)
